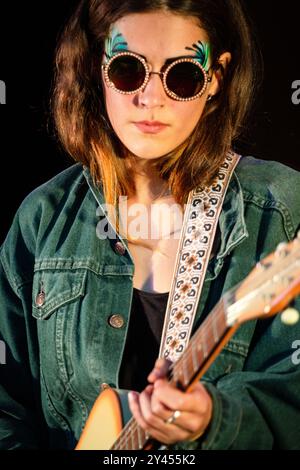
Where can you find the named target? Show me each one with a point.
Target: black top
(143, 339)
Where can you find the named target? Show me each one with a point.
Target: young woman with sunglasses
(149, 98)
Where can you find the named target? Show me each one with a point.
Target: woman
(149, 97)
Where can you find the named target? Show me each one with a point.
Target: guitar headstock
(270, 286)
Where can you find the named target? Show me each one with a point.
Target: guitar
(266, 291)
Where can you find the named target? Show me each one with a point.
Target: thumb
(160, 370)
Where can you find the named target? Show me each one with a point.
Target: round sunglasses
(183, 80)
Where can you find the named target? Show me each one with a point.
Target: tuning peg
(290, 316)
(267, 309)
(281, 250)
(268, 297)
(263, 265)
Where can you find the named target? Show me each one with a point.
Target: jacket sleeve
(21, 423)
(259, 407)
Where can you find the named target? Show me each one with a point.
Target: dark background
(28, 33)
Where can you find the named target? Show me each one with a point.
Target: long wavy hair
(78, 105)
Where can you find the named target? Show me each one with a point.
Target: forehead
(160, 34)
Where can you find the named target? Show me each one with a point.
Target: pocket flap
(54, 288)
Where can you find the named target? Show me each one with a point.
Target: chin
(148, 152)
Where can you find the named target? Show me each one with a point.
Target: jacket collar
(97, 193)
(232, 223)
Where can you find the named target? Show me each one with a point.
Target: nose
(153, 95)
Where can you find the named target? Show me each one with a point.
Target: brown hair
(79, 110)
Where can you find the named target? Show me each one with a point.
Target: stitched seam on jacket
(97, 268)
(237, 347)
(238, 426)
(218, 425)
(271, 204)
(10, 279)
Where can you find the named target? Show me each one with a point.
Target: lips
(151, 127)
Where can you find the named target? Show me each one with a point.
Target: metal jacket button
(119, 248)
(116, 321)
(40, 299)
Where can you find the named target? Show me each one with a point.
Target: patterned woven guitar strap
(194, 250)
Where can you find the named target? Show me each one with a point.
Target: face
(157, 36)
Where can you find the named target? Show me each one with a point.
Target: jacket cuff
(225, 423)
(224, 426)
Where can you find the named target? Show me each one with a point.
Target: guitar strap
(198, 231)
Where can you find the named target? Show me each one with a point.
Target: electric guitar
(266, 291)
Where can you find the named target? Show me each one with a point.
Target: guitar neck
(202, 349)
(204, 346)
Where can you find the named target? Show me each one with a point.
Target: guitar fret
(215, 330)
(205, 351)
(180, 373)
(185, 372)
(194, 357)
(190, 354)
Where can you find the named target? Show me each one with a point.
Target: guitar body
(106, 421)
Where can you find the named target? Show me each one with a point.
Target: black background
(30, 156)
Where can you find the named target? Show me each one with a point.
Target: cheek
(189, 113)
(186, 116)
(115, 106)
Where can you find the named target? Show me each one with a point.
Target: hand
(157, 403)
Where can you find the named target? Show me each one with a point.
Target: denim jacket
(61, 288)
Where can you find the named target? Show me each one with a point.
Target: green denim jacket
(59, 350)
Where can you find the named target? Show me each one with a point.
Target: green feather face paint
(202, 53)
(115, 43)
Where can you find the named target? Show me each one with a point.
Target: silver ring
(173, 417)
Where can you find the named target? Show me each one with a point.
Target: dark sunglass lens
(127, 73)
(185, 79)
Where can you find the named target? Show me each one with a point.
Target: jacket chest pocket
(57, 297)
